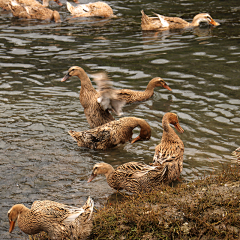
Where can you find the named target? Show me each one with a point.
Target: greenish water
(39, 160)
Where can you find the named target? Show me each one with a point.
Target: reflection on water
(39, 160)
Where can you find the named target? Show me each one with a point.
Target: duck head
(203, 19)
(72, 71)
(172, 118)
(13, 214)
(159, 82)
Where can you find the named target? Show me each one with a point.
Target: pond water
(39, 160)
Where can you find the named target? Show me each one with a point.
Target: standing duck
(169, 153)
(95, 114)
(165, 23)
(33, 12)
(130, 96)
(113, 133)
(96, 9)
(236, 153)
(134, 177)
(56, 219)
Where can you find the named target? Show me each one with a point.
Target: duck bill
(214, 23)
(167, 87)
(178, 127)
(91, 177)
(57, 1)
(138, 138)
(12, 225)
(66, 77)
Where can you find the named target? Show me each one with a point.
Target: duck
(169, 153)
(236, 153)
(113, 133)
(33, 12)
(56, 219)
(95, 114)
(131, 96)
(165, 23)
(96, 9)
(134, 177)
(4, 3)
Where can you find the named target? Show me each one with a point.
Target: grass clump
(204, 209)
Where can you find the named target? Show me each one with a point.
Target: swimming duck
(55, 218)
(169, 153)
(95, 114)
(96, 9)
(33, 12)
(130, 96)
(113, 133)
(164, 23)
(134, 177)
(236, 153)
(4, 3)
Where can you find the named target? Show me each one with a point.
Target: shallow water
(39, 160)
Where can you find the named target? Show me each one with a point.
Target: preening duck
(96, 9)
(56, 219)
(169, 153)
(134, 177)
(165, 23)
(130, 96)
(113, 133)
(33, 12)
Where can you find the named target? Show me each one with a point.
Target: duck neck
(109, 170)
(85, 81)
(150, 88)
(168, 133)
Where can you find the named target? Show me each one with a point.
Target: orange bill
(138, 138)
(57, 1)
(214, 23)
(66, 77)
(12, 224)
(91, 177)
(178, 127)
(167, 87)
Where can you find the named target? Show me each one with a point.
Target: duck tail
(145, 18)
(88, 210)
(74, 135)
(70, 7)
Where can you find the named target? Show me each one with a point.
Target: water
(39, 160)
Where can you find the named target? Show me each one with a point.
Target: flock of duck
(61, 221)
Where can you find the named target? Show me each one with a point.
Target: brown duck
(56, 219)
(96, 9)
(33, 12)
(169, 153)
(95, 114)
(134, 177)
(236, 153)
(113, 133)
(4, 3)
(130, 96)
(165, 23)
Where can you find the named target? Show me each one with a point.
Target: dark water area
(39, 160)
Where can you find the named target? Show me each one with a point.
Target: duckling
(134, 177)
(4, 3)
(130, 96)
(56, 219)
(113, 133)
(33, 12)
(96, 9)
(164, 23)
(169, 153)
(236, 153)
(95, 114)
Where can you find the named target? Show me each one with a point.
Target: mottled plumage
(33, 12)
(236, 153)
(130, 96)
(108, 98)
(164, 23)
(96, 9)
(113, 133)
(169, 153)
(58, 220)
(95, 114)
(134, 177)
